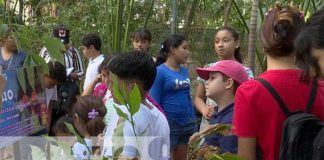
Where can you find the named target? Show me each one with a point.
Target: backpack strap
(312, 96)
(275, 95)
(280, 102)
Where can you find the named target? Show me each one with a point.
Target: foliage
(196, 151)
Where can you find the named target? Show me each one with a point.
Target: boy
(132, 68)
(141, 39)
(223, 78)
(72, 57)
(91, 45)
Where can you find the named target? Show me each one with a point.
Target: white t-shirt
(51, 94)
(80, 151)
(92, 70)
(151, 127)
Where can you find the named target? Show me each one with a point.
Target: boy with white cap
(223, 78)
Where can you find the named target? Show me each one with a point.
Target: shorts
(180, 134)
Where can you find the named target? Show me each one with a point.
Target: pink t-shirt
(100, 90)
(257, 115)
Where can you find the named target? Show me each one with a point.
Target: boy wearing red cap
(223, 78)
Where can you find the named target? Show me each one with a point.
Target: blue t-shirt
(226, 143)
(171, 89)
(16, 61)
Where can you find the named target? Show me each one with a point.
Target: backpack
(303, 132)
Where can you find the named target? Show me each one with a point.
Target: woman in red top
(258, 120)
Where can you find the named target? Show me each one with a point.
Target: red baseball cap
(230, 68)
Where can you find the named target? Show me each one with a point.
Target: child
(64, 135)
(223, 78)
(141, 39)
(132, 68)
(227, 47)
(98, 87)
(88, 114)
(91, 48)
(258, 119)
(171, 89)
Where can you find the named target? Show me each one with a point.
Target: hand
(98, 78)
(74, 76)
(208, 111)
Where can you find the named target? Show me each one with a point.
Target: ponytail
(162, 57)
(173, 41)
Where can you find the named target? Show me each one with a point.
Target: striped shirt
(72, 58)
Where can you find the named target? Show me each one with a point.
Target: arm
(89, 90)
(156, 89)
(247, 148)
(245, 123)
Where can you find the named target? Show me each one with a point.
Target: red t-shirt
(257, 115)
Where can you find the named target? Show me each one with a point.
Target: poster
(23, 111)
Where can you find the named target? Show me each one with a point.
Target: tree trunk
(227, 12)
(174, 17)
(191, 16)
(252, 35)
(20, 12)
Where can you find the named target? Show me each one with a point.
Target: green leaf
(134, 100)
(3, 29)
(63, 145)
(31, 76)
(21, 78)
(74, 132)
(54, 47)
(225, 156)
(37, 60)
(118, 137)
(37, 153)
(116, 91)
(121, 113)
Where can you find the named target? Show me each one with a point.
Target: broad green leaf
(54, 47)
(118, 137)
(3, 29)
(31, 76)
(121, 113)
(40, 73)
(134, 100)
(116, 91)
(225, 156)
(63, 145)
(74, 132)
(21, 78)
(37, 153)
(37, 60)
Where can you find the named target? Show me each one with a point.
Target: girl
(98, 87)
(227, 47)
(88, 114)
(141, 39)
(171, 89)
(258, 119)
(310, 47)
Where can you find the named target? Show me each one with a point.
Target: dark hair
(105, 62)
(236, 36)
(86, 104)
(60, 126)
(134, 65)
(310, 37)
(279, 29)
(57, 71)
(173, 41)
(92, 39)
(143, 34)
